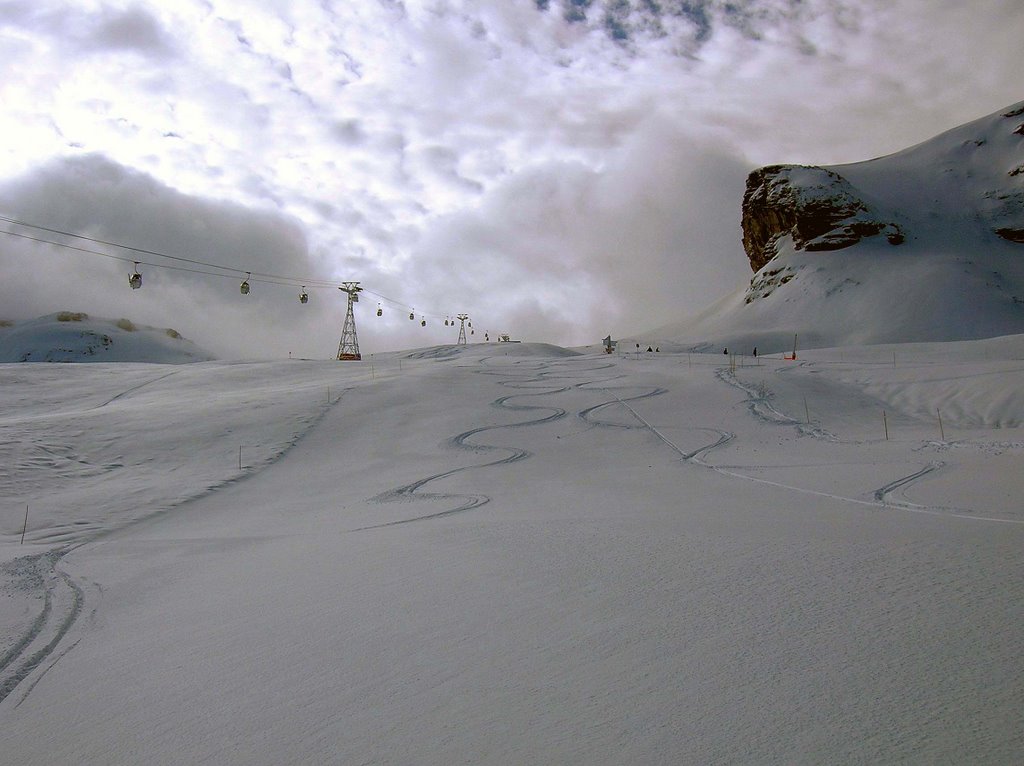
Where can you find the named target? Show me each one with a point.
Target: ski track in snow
(133, 389)
(64, 601)
(58, 587)
(461, 441)
(760, 407)
(882, 492)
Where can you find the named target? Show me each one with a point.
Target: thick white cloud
(560, 169)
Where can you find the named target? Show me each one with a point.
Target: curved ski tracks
(461, 441)
(587, 415)
(64, 601)
(760, 407)
(759, 403)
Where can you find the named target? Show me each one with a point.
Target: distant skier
(725, 351)
(755, 351)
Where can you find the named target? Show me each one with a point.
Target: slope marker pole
(24, 526)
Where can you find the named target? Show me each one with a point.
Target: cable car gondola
(380, 311)
(412, 316)
(135, 278)
(303, 296)
(244, 287)
(423, 321)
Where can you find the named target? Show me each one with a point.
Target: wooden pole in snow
(885, 422)
(942, 431)
(24, 526)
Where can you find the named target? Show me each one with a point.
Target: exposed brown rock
(817, 207)
(1013, 235)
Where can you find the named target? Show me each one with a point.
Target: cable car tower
(462, 329)
(348, 348)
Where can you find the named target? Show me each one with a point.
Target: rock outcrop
(964, 178)
(952, 205)
(816, 206)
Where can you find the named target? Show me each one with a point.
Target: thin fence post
(942, 431)
(24, 527)
(885, 422)
(807, 412)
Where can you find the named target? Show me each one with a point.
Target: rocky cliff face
(927, 244)
(969, 177)
(816, 206)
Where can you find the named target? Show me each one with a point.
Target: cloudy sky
(558, 169)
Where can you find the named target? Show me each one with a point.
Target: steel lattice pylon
(348, 348)
(462, 329)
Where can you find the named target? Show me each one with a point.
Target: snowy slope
(70, 336)
(952, 277)
(543, 557)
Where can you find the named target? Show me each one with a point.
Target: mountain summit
(926, 244)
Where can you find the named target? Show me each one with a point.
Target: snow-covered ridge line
(922, 245)
(71, 336)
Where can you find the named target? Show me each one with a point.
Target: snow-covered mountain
(923, 245)
(70, 336)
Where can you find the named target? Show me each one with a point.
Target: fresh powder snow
(514, 553)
